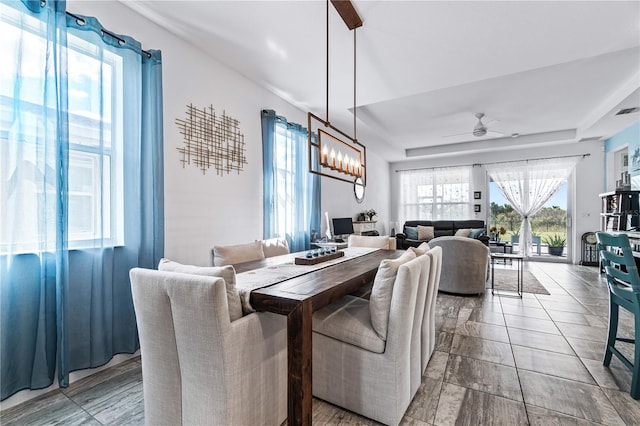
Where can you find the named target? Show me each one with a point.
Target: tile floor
(499, 360)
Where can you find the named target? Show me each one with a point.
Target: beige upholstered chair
(465, 263)
(428, 340)
(360, 363)
(239, 253)
(382, 242)
(275, 247)
(198, 367)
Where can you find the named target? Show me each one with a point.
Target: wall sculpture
(211, 141)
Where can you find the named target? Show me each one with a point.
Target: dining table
(298, 298)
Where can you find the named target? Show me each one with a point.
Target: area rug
(507, 279)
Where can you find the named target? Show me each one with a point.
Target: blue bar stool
(624, 290)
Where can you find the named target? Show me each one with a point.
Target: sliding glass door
(549, 225)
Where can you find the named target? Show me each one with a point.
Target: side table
(520, 269)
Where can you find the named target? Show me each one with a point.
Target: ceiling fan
(480, 129)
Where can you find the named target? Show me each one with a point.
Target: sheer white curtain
(435, 194)
(527, 185)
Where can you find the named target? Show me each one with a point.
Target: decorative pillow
(230, 255)
(411, 232)
(275, 247)
(477, 232)
(380, 300)
(463, 233)
(420, 250)
(426, 232)
(227, 273)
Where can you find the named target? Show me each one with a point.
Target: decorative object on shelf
(556, 243)
(211, 141)
(370, 213)
(589, 249)
(477, 195)
(476, 208)
(340, 156)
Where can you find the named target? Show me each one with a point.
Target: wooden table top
(319, 285)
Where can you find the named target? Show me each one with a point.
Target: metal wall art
(211, 140)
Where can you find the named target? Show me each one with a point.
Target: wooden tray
(318, 259)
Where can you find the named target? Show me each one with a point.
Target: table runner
(248, 281)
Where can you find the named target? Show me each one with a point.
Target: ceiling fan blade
(493, 131)
(495, 120)
(459, 134)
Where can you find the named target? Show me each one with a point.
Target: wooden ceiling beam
(348, 13)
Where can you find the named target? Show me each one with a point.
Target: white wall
(583, 203)
(203, 210)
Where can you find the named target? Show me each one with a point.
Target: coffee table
(520, 267)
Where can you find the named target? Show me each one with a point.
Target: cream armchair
(199, 367)
(465, 263)
(362, 364)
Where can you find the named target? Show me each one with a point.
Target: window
(95, 122)
(291, 193)
(435, 194)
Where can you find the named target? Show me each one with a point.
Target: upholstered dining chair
(624, 290)
(198, 366)
(362, 361)
(382, 242)
(429, 319)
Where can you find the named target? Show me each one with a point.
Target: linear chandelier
(332, 152)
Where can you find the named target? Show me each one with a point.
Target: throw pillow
(230, 255)
(275, 247)
(463, 233)
(477, 232)
(380, 300)
(426, 232)
(421, 249)
(227, 273)
(411, 232)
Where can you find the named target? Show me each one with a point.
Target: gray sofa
(441, 228)
(465, 264)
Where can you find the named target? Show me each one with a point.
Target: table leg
(520, 277)
(492, 273)
(299, 347)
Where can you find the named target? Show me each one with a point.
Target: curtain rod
(494, 162)
(80, 19)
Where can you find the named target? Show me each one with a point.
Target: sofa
(441, 228)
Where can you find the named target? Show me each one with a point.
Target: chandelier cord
(327, 97)
(355, 132)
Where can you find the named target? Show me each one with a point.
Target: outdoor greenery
(548, 221)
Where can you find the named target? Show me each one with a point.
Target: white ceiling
(553, 72)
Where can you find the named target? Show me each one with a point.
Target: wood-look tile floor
(498, 360)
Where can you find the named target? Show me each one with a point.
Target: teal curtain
(291, 194)
(81, 169)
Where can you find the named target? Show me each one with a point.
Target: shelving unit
(361, 226)
(621, 214)
(620, 211)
